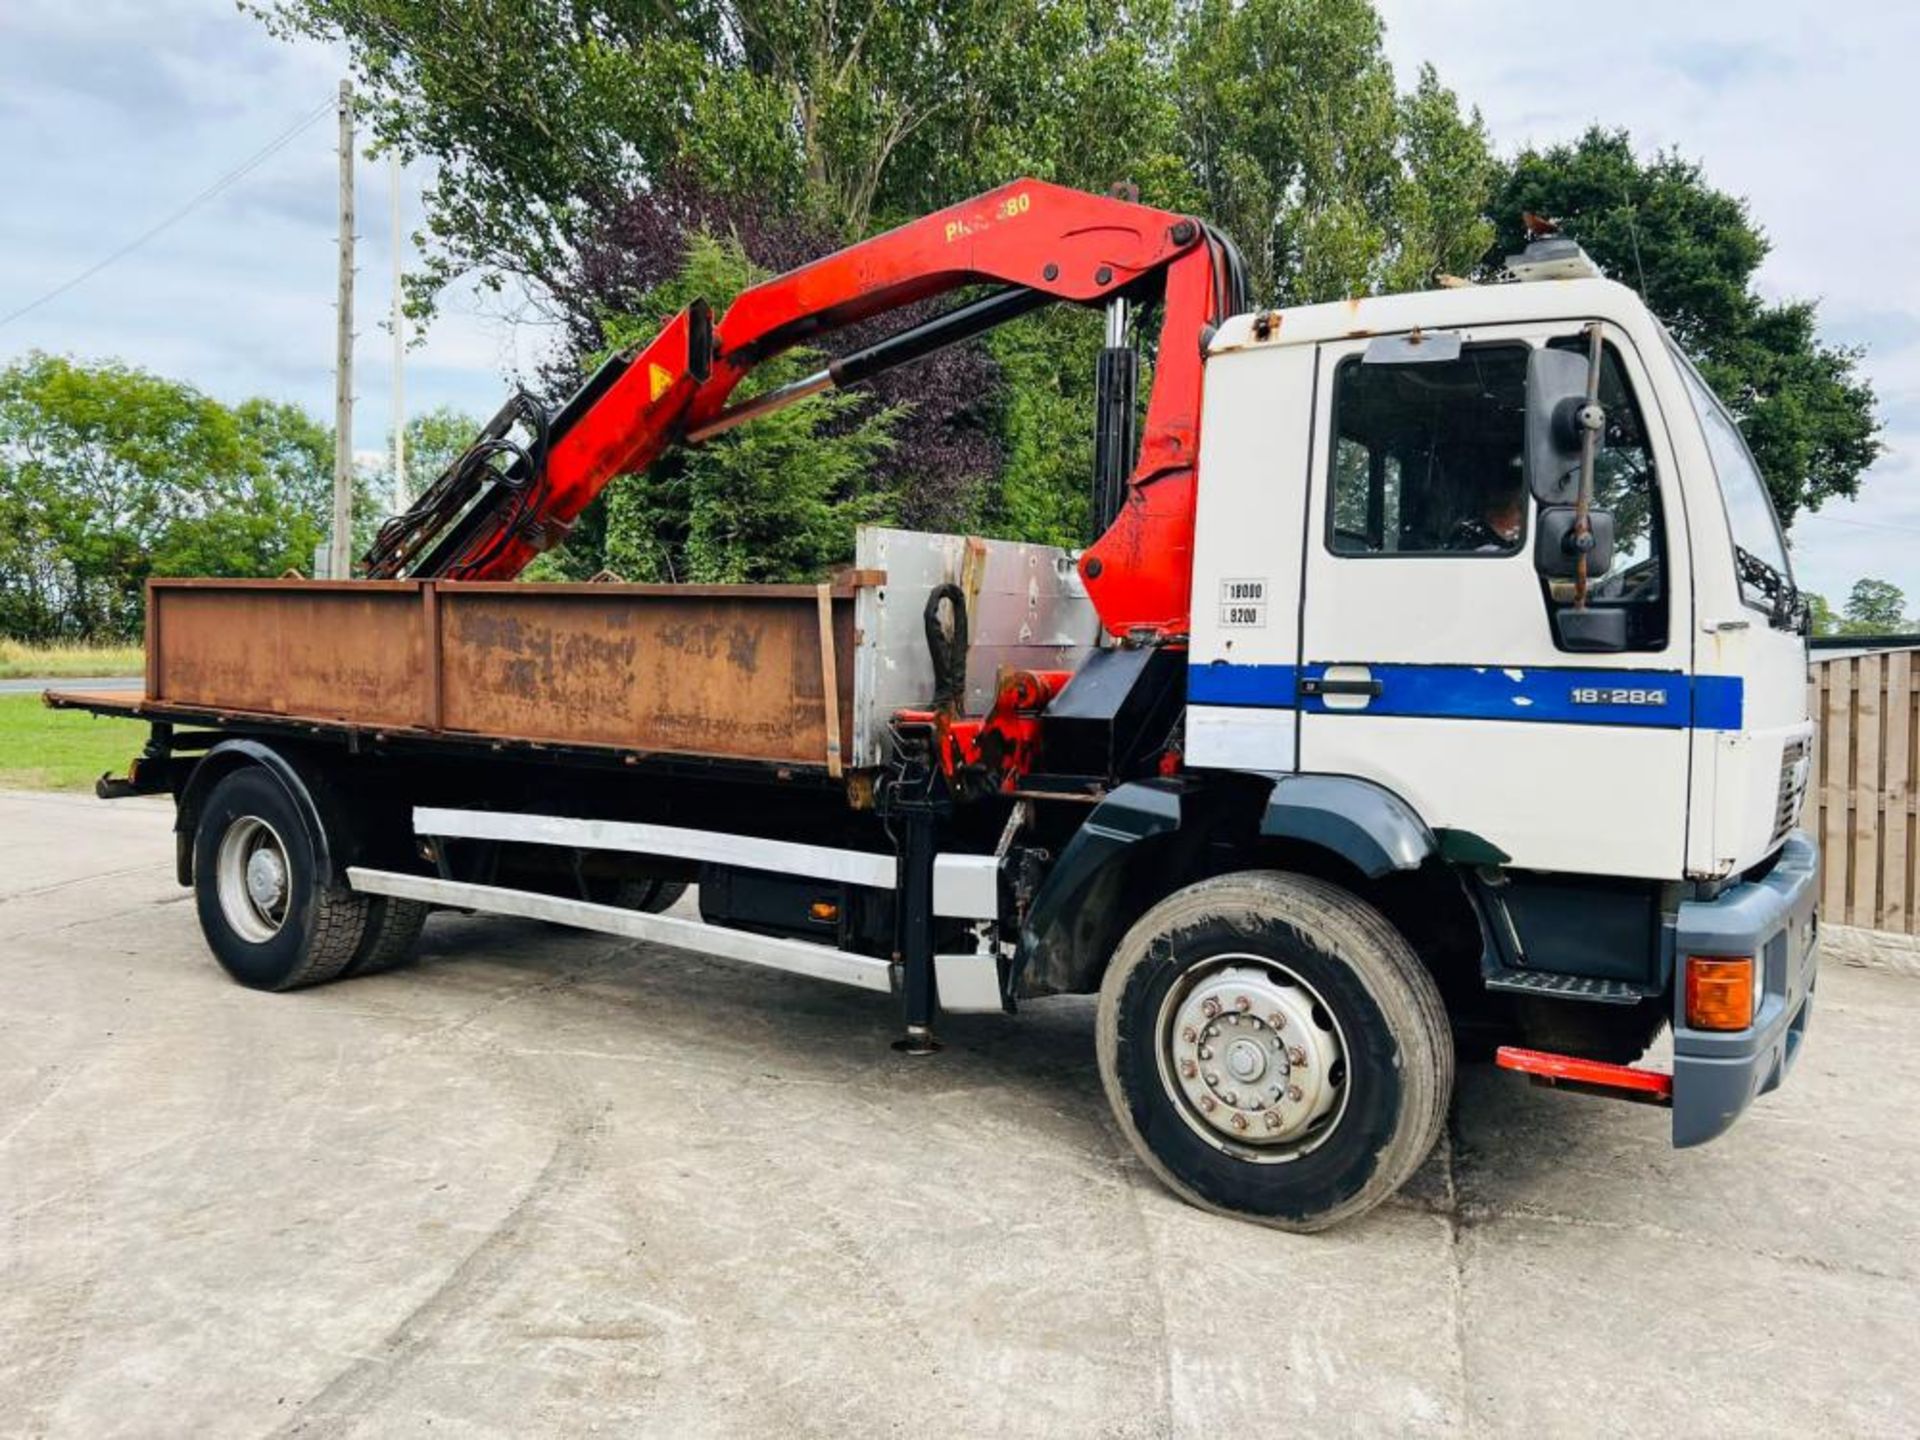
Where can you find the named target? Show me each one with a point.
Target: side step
(1593, 1077)
(1568, 987)
(867, 972)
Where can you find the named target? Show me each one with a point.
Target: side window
(1427, 458)
(1624, 483)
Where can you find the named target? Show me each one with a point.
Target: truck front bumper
(1718, 1073)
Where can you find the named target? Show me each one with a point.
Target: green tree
(1448, 172)
(1875, 607)
(579, 141)
(1332, 183)
(539, 113)
(1821, 619)
(110, 474)
(775, 500)
(435, 439)
(1692, 251)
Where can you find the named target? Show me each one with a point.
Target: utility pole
(340, 553)
(401, 496)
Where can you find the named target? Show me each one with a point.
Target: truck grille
(1793, 787)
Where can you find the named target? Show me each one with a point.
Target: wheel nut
(1277, 1020)
(1243, 1004)
(1273, 1120)
(1296, 1056)
(1187, 1068)
(1294, 1092)
(1239, 1122)
(1206, 1102)
(1210, 1007)
(1189, 1034)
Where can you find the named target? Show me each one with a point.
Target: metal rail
(865, 972)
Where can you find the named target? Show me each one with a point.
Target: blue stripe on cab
(1656, 699)
(1275, 686)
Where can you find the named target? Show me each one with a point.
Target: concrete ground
(550, 1184)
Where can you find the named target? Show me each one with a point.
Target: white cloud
(112, 115)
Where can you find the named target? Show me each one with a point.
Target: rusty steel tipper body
(741, 672)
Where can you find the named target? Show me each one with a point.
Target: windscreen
(1749, 510)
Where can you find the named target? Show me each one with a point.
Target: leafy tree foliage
(1821, 619)
(435, 439)
(539, 112)
(1692, 251)
(1332, 184)
(1876, 607)
(582, 144)
(768, 501)
(109, 475)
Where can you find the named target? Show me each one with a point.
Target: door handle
(1339, 686)
(1342, 687)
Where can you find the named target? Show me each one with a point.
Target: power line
(226, 181)
(1860, 524)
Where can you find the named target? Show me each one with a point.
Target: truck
(1435, 688)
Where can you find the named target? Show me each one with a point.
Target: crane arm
(518, 490)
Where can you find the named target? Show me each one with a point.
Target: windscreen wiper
(1787, 608)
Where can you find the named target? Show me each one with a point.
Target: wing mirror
(1566, 427)
(1559, 418)
(1557, 545)
(1591, 631)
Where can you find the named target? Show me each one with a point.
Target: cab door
(1429, 660)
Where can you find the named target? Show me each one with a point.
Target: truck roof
(1466, 305)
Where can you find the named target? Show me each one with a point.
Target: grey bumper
(1718, 1073)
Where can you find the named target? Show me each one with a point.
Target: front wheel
(1274, 1049)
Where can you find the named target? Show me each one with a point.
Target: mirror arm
(1591, 420)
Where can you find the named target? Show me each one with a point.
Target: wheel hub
(252, 879)
(266, 879)
(1253, 1058)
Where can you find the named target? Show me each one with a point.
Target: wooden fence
(1860, 798)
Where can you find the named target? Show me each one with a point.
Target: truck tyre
(393, 929)
(1274, 1049)
(271, 920)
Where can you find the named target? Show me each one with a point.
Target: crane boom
(510, 498)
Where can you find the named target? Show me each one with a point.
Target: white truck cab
(1379, 594)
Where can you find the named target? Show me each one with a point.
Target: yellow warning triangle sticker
(659, 380)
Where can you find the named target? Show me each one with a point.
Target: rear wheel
(393, 930)
(271, 919)
(1273, 1048)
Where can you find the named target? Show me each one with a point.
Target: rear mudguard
(340, 821)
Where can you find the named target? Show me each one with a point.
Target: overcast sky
(114, 113)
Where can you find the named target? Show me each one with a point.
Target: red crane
(517, 491)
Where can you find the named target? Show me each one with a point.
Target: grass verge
(21, 661)
(42, 749)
